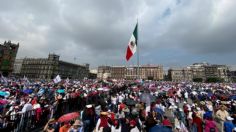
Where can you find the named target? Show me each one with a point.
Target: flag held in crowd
(57, 79)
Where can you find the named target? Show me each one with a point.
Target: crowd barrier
(36, 119)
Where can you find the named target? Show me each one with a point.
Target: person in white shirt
(133, 126)
(186, 96)
(27, 107)
(120, 98)
(116, 127)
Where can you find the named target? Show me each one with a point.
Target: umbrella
(28, 91)
(61, 91)
(146, 98)
(100, 89)
(2, 93)
(3, 102)
(106, 89)
(68, 117)
(233, 97)
(160, 111)
(194, 93)
(130, 102)
(41, 92)
(160, 128)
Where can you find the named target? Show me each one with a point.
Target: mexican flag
(132, 46)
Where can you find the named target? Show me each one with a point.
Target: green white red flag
(132, 46)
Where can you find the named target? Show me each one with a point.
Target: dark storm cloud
(97, 32)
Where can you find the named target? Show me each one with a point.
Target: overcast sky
(171, 32)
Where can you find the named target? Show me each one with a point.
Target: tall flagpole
(138, 71)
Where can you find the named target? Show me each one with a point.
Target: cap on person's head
(104, 113)
(229, 118)
(89, 106)
(202, 102)
(77, 123)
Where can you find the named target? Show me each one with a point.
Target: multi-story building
(147, 72)
(211, 71)
(180, 74)
(93, 74)
(201, 71)
(118, 72)
(17, 67)
(223, 72)
(48, 68)
(217, 71)
(232, 76)
(198, 70)
(104, 72)
(8, 51)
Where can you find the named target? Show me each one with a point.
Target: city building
(48, 68)
(17, 67)
(232, 76)
(146, 72)
(118, 72)
(199, 72)
(104, 72)
(180, 74)
(8, 51)
(93, 74)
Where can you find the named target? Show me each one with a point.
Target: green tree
(214, 80)
(197, 80)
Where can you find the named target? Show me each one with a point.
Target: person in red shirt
(197, 121)
(34, 101)
(166, 122)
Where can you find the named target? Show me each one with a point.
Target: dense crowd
(117, 106)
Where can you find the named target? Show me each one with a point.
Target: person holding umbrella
(65, 127)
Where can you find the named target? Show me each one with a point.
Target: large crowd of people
(117, 106)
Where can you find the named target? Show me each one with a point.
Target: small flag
(67, 80)
(57, 79)
(132, 46)
(4, 80)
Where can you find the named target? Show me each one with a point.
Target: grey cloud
(97, 32)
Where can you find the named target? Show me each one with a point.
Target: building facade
(17, 67)
(223, 72)
(48, 68)
(8, 52)
(201, 71)
(232, 76)
(146, 72)
(198, 70)
(180, 74)
(93, 74)
(104, 72)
